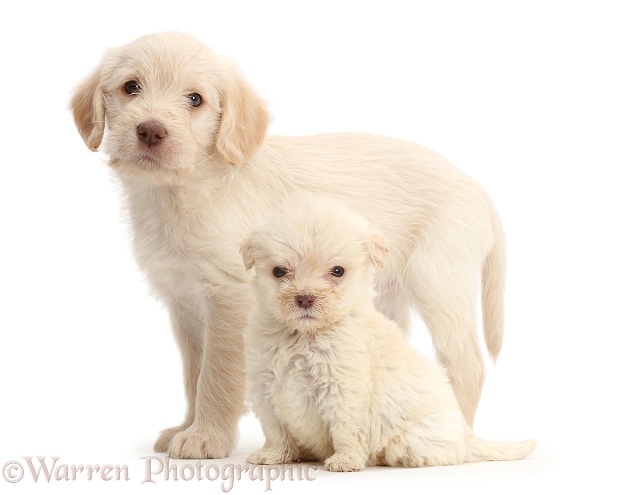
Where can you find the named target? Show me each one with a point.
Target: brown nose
(304, 301)
(151, 133)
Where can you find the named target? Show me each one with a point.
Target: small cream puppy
(331, 378)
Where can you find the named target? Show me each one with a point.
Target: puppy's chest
(165, 249)
(179, 248)
(167, 238)
(306, 378)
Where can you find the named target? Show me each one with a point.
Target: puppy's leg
(347, 416)
(279, 446)
(350, 449)
(436, 440)
(446, 297)
(220, 385)
(346, 460)
(188, 328)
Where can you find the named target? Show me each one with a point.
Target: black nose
(304, 301)
(151, 133)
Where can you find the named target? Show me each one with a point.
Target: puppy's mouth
(307, 318)
(292, 312)
(145, 159)
(306, 313)
(303, 316)
(138, 165)
(148, 159)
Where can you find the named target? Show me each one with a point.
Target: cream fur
(195, 195)
(337, 381)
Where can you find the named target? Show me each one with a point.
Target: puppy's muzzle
(151, 133)
(304, 301)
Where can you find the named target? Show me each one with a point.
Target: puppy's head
(167, 104)
(314, 263)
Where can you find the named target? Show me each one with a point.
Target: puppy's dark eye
(195, 99)
(132, 88)
(337, 271)
(280, 271)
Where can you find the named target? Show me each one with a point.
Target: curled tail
(493, 285)
(478, 449)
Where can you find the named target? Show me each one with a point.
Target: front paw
(191, 444)
(345, 461)
(277, 455)
(165, 438)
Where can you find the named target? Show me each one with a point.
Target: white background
(523, 96)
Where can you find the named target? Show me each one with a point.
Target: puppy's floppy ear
(243, 123)
(88, 109)
(376, 245)
(248, 251)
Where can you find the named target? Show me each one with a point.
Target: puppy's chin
(307, 323)
(150, 169)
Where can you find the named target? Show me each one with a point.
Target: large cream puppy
(330, 377)
(185, 134)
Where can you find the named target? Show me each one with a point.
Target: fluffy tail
(493, 284)
(477, 449)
